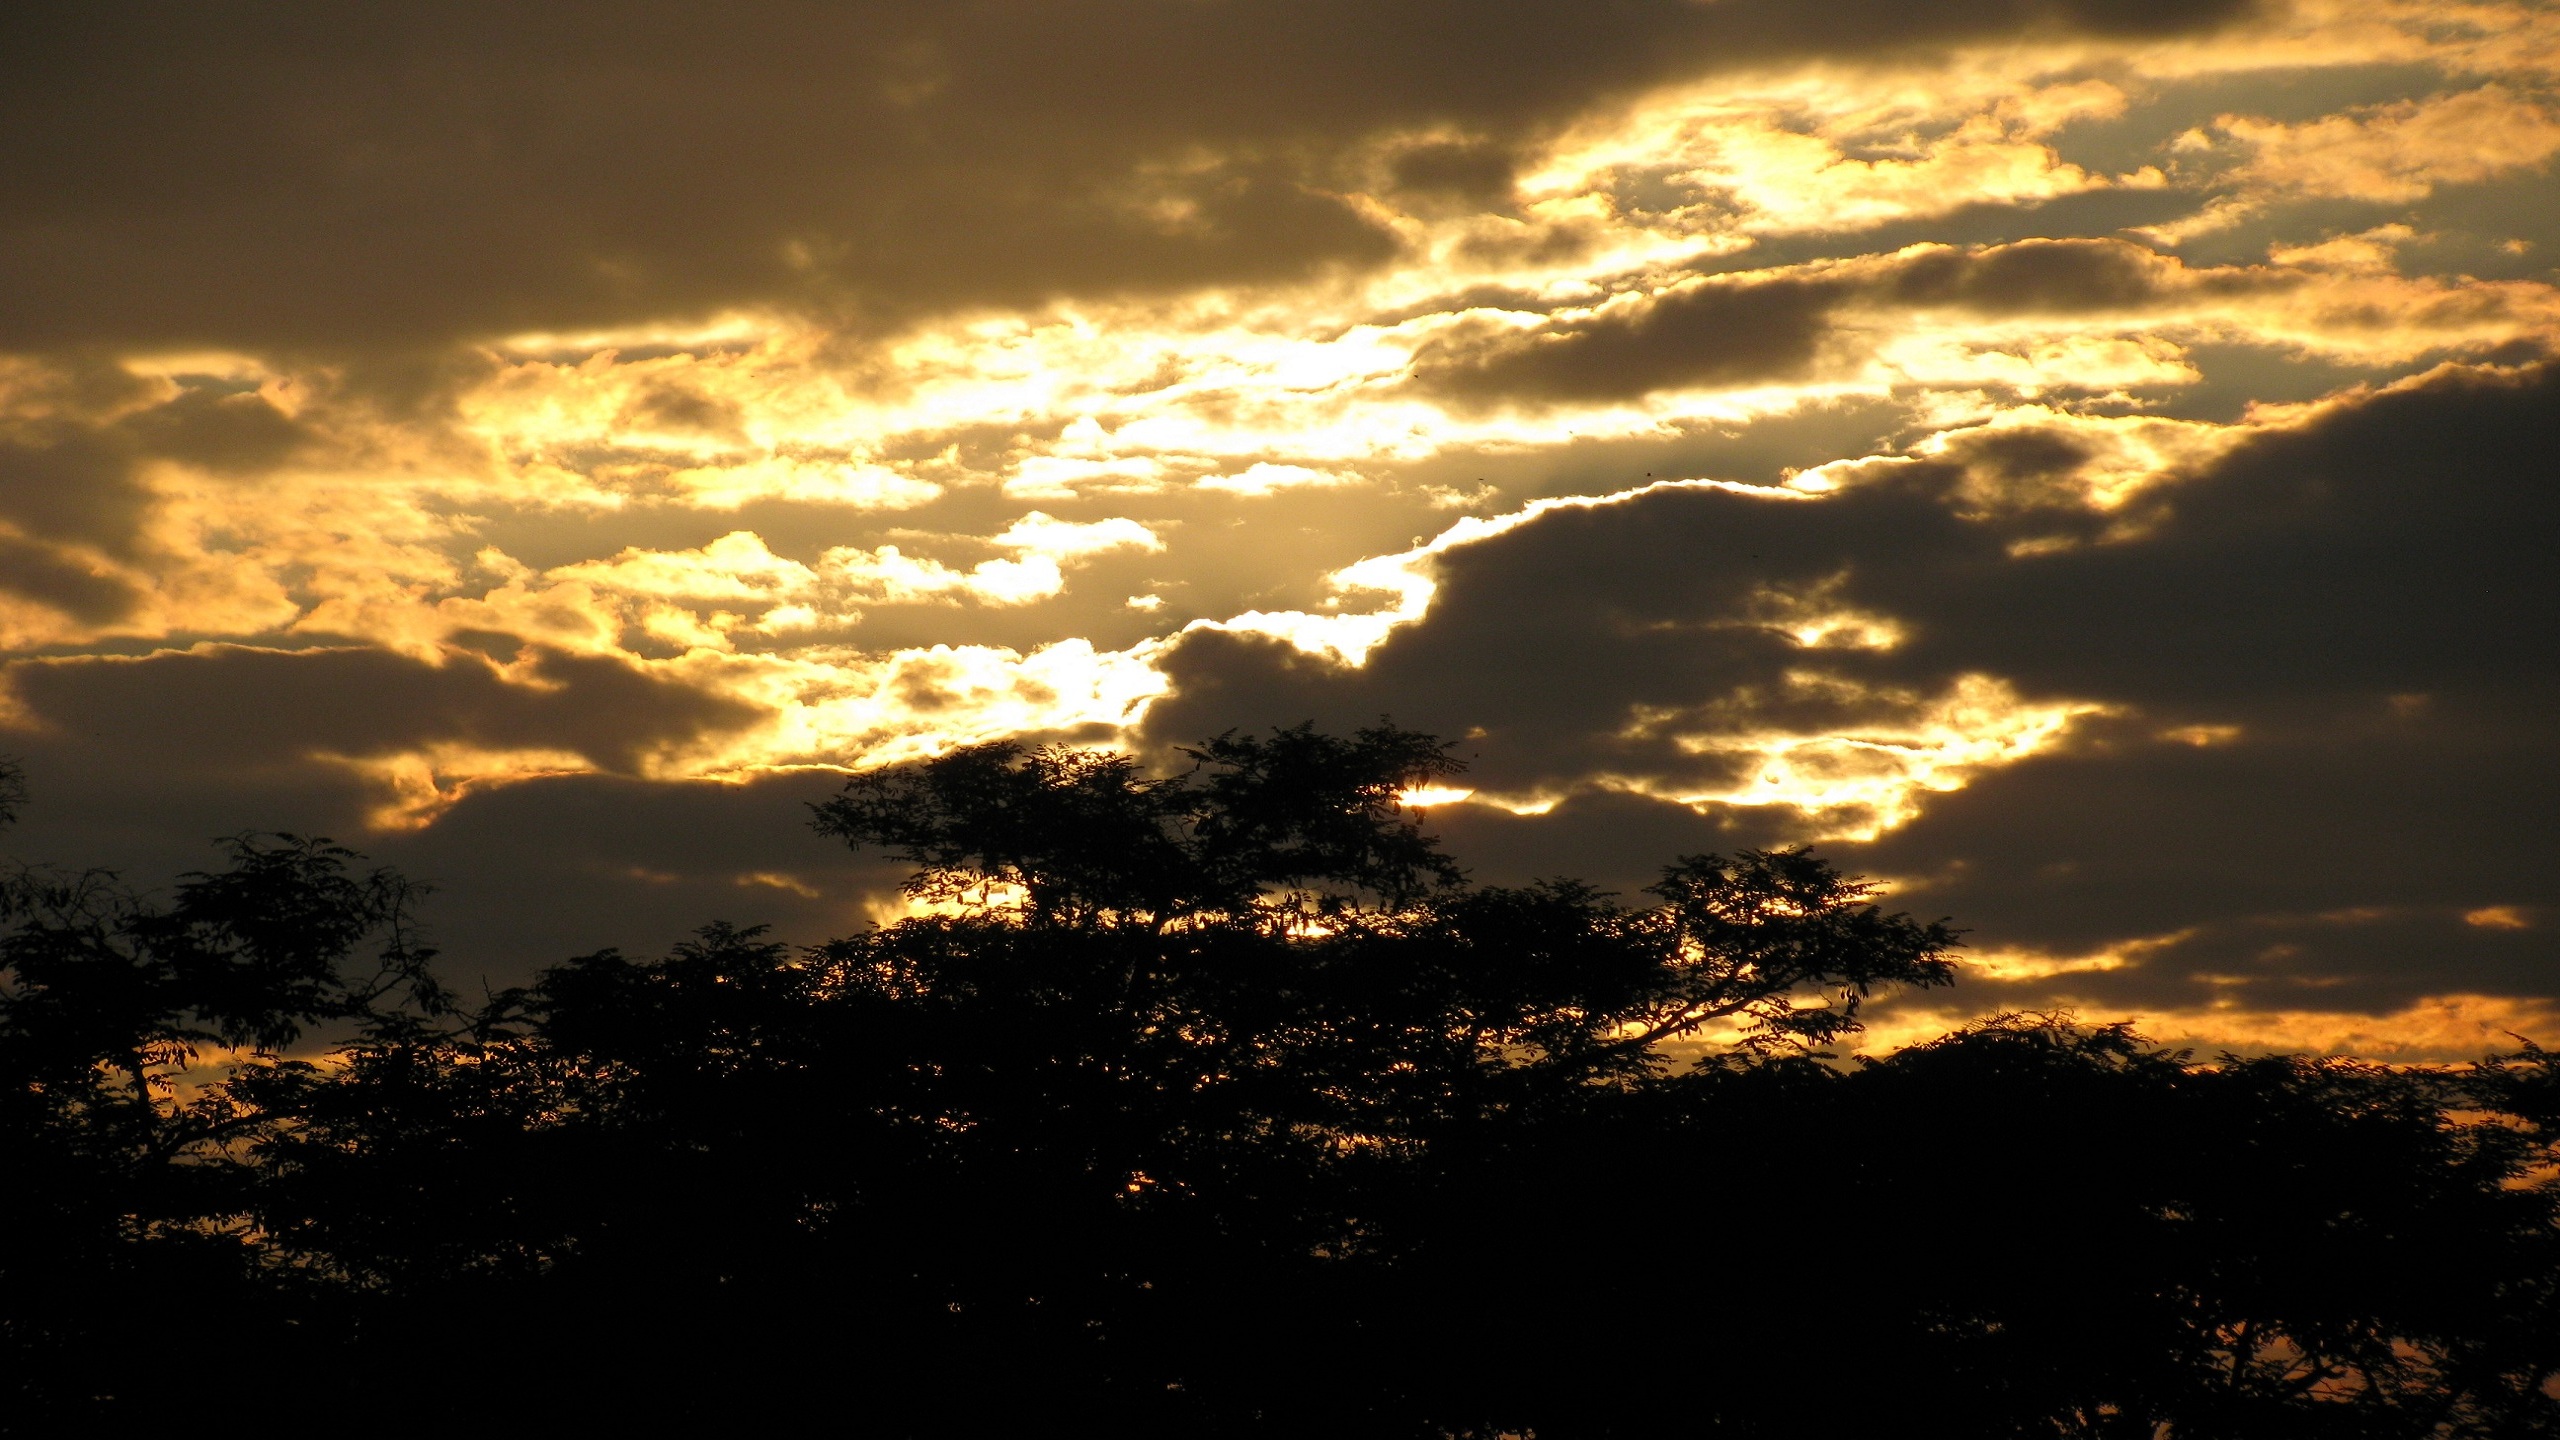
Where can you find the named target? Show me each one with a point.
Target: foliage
(126, 1193)
(1216, 1103)
(1091, 840)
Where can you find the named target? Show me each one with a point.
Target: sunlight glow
(1427, 795)
(2451, 1028)
(1856, 786)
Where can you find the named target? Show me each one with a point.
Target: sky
(2084, 464)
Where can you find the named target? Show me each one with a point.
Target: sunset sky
(2087, 464)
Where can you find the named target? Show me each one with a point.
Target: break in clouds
(2087, 464)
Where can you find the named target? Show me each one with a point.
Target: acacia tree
(1088, 839)
(1302, 835)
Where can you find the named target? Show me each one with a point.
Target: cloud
(2400, 151)
(2328, 867)
(524, 875)
(2078, 474)
(247, 706)
(2347, 614)
(2033, 314)
(776, 594)
(2380, 546)
(2044, 277)
(2380, 154)
(530, 874)
(479, 170)
(521, 419)
(2288, 718)
(1262, 478)
(75, 438)
(1694, 336)
(229, 495)
(87, 462)
(2431, 1030)
(737, 566)
(57, 583)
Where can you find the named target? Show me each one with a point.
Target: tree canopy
(1213, 1102)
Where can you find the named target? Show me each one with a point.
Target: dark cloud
(1723, 331)
(1716, 333)
(524, 875)
(69, 482)
(1551, 639)
(531, 874)
(2399, 545)
(229, 434)
(1477, 172)
(670, 407)
(1611, 839)
(2369, 601)
(70, 475)
(2327, 869)
(343, 178)
(238, 707)
(2061, 277)
(137, 764)
(46, 576)
(2331, 655)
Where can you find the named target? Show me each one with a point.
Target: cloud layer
(2082, 461)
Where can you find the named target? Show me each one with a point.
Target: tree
(1217, 1102)
(1302, 819)
(2025, 1228)
(127, 1192)
(1303, 835)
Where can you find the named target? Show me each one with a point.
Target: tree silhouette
(1210, 1103)
(1090, 839)
(126, 1189)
